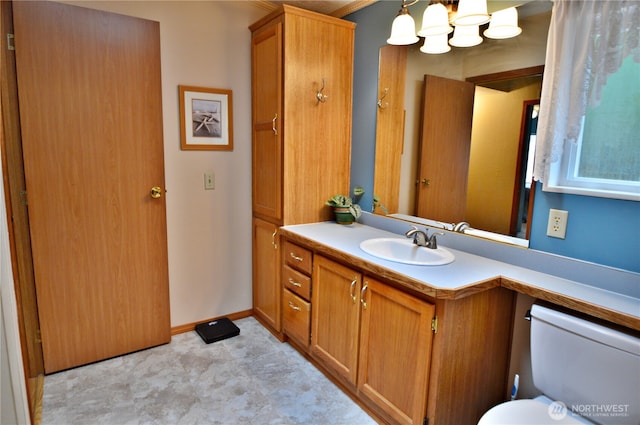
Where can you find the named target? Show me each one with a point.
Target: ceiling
(340, 8)
(337, 8)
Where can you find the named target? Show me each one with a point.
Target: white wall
(13, 388)
(205, 44)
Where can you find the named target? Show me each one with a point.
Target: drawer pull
(273, 125)
(351, 291)
(294, 283)
(293, 306)
(295, 257)
(362, 299)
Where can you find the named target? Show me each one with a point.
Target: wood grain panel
(445, 141)
(90, 106)
(390, 125)
(267, 176)
(296, 318)
(395, 351)
(317, 141)
(470, 356)
(15, 193)
(266, 273)
(336, 317)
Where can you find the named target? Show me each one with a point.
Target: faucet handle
(411, 231)
(432, 242)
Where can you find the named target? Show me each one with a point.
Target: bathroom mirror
(493, 58)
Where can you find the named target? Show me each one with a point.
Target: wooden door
(395, 351)
(266, 51)
(335, 317)
(267, 291)
(90, 105)
(445, 141)
(390, 126)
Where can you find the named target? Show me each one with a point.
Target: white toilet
(587, 372)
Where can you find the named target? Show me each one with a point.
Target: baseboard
(192, 326)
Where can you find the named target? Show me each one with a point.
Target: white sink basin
(406, 252)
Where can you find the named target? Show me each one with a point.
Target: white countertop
(465, 270)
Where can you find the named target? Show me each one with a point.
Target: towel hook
(386, 104)
(320, 96)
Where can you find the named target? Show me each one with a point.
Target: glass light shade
(403, 30)
(471, 12)
(466, 36)
(435, 20)
(504, 24)
(435, 44)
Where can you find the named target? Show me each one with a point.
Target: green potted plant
(345, 209)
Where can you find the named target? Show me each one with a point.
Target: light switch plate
(209, 181)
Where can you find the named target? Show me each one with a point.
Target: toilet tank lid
(594, 331)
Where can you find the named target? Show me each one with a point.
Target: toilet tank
(593, 369)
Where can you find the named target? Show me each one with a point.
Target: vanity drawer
(297, 257)
(296, 318)
(296, 282)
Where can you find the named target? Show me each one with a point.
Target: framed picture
(206, 118)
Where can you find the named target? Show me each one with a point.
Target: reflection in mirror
(497, 191)
(492, 57)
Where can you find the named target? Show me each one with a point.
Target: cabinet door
(318, 59)
(266, 51)
(335, 317)
(266, 273)
(395, 351)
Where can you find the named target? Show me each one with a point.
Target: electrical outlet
(557, 226)
(209, 181)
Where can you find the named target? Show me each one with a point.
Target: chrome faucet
(461, 227)
(421, 238)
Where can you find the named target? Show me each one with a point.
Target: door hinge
(10, 42)
(425, 421)
(38, 337)
(23, 197)
(434, 324)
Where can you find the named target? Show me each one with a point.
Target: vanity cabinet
(407, 353)
(375, 338)
(302, 73)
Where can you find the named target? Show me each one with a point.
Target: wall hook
(386, 104)
(320, 96)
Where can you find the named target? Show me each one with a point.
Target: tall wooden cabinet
(302, 74)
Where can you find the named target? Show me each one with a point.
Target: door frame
(17, 213)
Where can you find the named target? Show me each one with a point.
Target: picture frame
(206, 118)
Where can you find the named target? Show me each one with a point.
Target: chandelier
(462, 17)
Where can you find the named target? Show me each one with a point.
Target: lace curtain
(588, 41)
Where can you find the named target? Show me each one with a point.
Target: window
(605, 159)
(589, 129)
